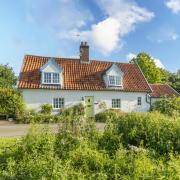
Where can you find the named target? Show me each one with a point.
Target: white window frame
(115, 105)
(55, 78)
(59, 102)
(47, 79)
(117, 80)
(139, 101)
(52, 79)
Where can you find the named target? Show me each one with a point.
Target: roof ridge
(69, 58)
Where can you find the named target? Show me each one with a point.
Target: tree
(7, 77)
(152, 73)
(174, 80)
(11, 102)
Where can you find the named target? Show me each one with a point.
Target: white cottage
(64, 82)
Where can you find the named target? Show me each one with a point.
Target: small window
(114, 80)
(55, 77)
(47, 77)
(139, 101)
(111, 80)
(116, 103)
(58, 103)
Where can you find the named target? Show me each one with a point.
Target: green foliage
(77, 110)
(168, 106)
(74, 113)
(74, 154)
(152, 73)
(7, 77)
(87, 160)
(151, 130)
(46, 109)
(11, 102)
(174, 80)
(108, 115)
(109, 141)
(39, 118)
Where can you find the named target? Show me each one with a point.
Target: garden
(132, 145)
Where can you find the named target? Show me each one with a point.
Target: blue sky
(116, 30)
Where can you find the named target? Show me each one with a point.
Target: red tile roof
(160, 90)
(78, 76)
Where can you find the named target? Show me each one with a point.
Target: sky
(116, 30)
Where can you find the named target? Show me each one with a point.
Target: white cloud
(130, 56)
(69, 18)
(122, 18)
(174, 5)
(157, 61)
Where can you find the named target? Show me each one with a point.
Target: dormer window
(52, 73)
(113, 77)
(51, 78)
(114, 80)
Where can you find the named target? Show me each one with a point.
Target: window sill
(50, 83)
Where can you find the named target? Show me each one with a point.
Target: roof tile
(160, 90)
(78, 76)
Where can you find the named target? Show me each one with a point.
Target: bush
(107, 115)
(72, 154)
(77, 110)
(39, 118)
(72, 114)
(11, 103)
(168, 106)
(87, 160)
(46, 109)
(152, 130)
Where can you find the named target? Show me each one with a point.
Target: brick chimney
(84, 53)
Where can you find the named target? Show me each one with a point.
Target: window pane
(47, 77)
(139, 101)
(114, 80)
(111, 80)
(58, 103)
(116, 103)
(55, 77)
(118, 80)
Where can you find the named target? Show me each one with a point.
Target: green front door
(89, 106)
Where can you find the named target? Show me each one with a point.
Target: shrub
(87, 160)
(152, 130)
(46, 109)
(109, 141)
(110, 114)
(169, 106)
(72, 155)
(74, 113)
(77, 110)
(39, 118)
(11, 103)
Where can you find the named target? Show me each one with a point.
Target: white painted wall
(35, 98)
